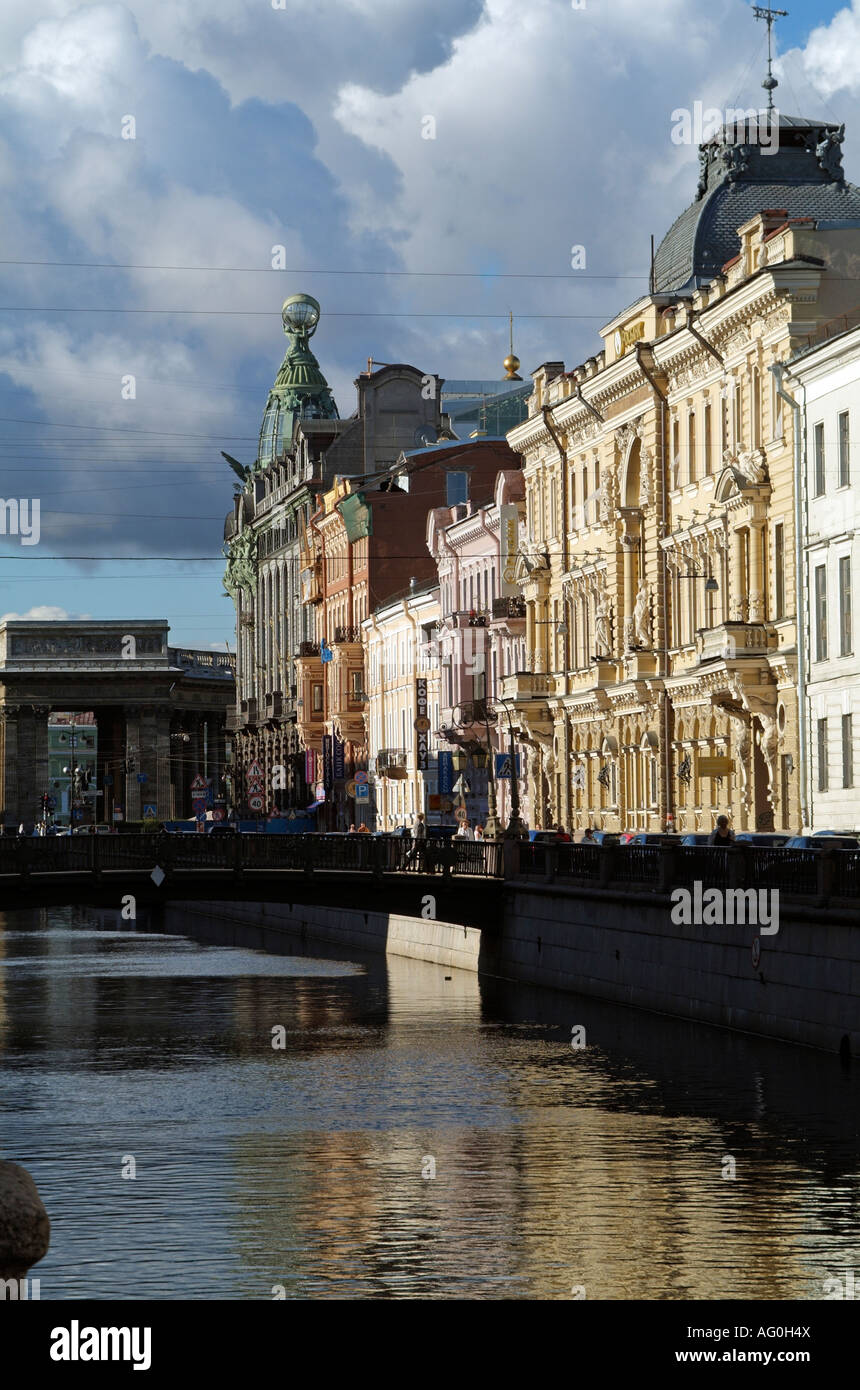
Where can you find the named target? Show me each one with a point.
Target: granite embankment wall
(260, 924)
(802, 985)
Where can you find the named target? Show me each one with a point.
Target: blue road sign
(142, 777)
(149, 810)
(503, 765)
(201, 817)
(77, 813)
(362, 792)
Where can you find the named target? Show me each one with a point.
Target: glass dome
(300, 314)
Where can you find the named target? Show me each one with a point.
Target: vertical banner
(328, 764)
(446, 774)
(509, 531)
(422, 731)
(338, 747)
(310, 767)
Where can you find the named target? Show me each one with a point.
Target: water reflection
(302, 1165)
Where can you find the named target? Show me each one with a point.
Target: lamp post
(515, 829)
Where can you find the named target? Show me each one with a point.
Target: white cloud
(43, 613)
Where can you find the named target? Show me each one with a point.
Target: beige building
(402, 673)
(659, 573)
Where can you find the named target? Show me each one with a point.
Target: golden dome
(511, 366)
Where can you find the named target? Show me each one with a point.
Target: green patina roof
(300, 391)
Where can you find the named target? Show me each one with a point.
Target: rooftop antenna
(769, 16)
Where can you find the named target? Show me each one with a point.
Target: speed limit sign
(461, 813)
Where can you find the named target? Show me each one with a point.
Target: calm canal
(308, 1166)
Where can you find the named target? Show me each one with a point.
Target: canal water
(420, 1133)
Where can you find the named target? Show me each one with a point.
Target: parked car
(441, 832)
(833, 840)
(765, 840)
(646, 837)
(544, 837)
(696, 839)
(221, 828)
(841, 834)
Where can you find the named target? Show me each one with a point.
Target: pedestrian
(562, 834)
(588, 836)
(479, 832)
(363, 829)
(722, 834)
(465, 831)
(417, 854)
(352, 830)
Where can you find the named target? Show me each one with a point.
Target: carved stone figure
(642, 616)
(751, 466)
(828, 152)
(767, 738)
(646, 484)
(601, 620)
(742, 748)
(240, 571)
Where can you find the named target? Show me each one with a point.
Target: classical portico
(160, 710)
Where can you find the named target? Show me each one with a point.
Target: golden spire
(511, 363)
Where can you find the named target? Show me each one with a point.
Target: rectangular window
(573, 499)
(847, 751)
(820, 613)
(706, 430)
(317, 699)
(738, 415)
(691, 446)
(779, 570)
(818, 438)
(457, 488)
(776, 402)
(676, 455)
(846, 643)
(822, 755)
(844, 450)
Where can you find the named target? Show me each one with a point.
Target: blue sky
(305, 127)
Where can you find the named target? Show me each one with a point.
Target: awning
(314, 806)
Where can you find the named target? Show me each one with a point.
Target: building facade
(659, 567)
(402, 712)
(304, 445)
(825, 381)
(481, 636)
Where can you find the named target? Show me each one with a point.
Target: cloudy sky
(426, 167)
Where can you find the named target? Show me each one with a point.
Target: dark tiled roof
(739, 181)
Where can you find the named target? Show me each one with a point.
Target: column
(133, 750)
(159, 786)
(9, 756)
(629, 554)
(756, 578)
(738, 605)
(530, 635)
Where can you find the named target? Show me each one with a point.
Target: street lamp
(515, 829)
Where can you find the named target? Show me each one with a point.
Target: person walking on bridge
(722, 834)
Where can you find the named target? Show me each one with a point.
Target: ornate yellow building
(659, 573)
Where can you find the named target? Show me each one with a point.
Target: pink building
(481, 633)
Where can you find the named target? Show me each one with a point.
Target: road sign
(461, 813)
(218, 813)
(255, 772)
(142, 777)
(118, 815)
(199, 784)
(255, 803)
(78, 813)
(421, 724)
(362, 793)
(715, 767)
(360, 778)
(198, 804)
(149, 810)
(503, 764)
(350, 788)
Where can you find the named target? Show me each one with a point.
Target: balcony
(513, 607)
(527, 685)
(307, 649)
(734, 641)
(248, 711)
(274, 704)
(347, 634)
(391, 762)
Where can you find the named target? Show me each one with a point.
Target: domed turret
(300, 391)
(764, 162)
